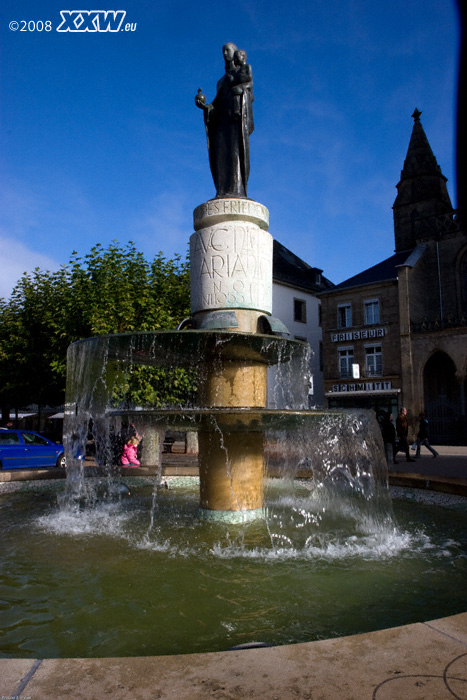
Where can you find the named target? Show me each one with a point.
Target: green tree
(110, 290)
(31, 339)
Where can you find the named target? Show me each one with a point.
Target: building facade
(295, 302)
(396, 334)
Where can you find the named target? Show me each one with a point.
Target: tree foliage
(110, 290)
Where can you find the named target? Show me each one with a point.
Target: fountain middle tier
(237, 419)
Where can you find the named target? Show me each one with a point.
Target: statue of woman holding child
(229, 123)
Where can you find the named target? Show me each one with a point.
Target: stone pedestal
(234, 383)
(231, 287)
(192, 443)
(152, 447)
(231, 472)
(231, 260)
(231, 462)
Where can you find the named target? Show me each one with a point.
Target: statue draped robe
(228, 135)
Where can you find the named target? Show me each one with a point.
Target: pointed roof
(385, 271)
(422, 195)
(420, 159)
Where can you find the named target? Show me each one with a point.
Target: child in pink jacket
(129, 458)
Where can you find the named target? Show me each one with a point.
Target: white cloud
(164, 225)
(22, 211)
(16, 259)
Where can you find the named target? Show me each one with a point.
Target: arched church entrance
(441, 394)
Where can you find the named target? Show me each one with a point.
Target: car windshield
(9, 438)
(33, 439)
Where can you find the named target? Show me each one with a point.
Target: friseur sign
(368, 334)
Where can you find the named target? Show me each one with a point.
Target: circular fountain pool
(143, 575)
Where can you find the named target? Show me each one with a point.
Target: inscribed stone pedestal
(231, 256)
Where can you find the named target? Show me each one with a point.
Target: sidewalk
(446, 473)
(422, 661)
(451, 463)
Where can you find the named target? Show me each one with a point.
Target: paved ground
(446, 473)
(424, 661)
(451, 463)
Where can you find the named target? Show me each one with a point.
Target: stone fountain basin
(189, 347)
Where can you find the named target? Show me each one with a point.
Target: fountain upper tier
(187, 348)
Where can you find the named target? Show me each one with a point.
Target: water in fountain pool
(142, 575)
(93, 571)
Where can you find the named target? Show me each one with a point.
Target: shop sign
(363, 386)
(368, 334)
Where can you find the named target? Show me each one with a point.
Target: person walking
(389, 438)
(402, 430)
(422, 437)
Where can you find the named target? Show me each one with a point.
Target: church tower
(422, 195)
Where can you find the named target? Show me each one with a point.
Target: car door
(12, 450)
(39, 452)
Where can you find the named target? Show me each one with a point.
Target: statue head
(228, 50)
(240, 57)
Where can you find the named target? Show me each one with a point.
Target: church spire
(419, 159)
(421, 191)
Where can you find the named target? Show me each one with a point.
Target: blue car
(23, 449)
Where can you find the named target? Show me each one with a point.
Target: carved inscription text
(231, 267)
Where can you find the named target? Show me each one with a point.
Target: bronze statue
(229, 123)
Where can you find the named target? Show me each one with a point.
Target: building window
(374, 361)
(344, 315)
(345, 362)
(371, 311)
(299, 310)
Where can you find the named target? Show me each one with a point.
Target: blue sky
(101, 139)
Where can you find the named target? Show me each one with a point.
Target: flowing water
(97, 567)
(141, 574)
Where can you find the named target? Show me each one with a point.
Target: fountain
(229, 347)
(249, 552)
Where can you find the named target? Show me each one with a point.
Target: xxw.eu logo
(92, 21)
